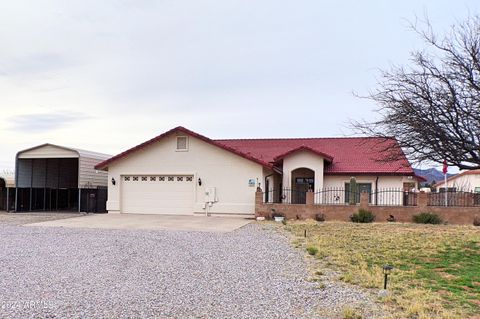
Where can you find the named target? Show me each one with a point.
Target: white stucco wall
(384, 181)
(216, 167)
(303, 159)
(390, 187)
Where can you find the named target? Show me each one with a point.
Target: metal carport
(51, 178)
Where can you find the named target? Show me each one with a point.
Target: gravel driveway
(51, 272)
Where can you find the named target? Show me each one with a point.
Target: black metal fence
(454, 198)
(336, 196)
(393, 197)
(286, 196)
(342, 196)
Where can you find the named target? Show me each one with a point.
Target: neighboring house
(467, 181)
(50, 177)
(182, 172)
(7, 192)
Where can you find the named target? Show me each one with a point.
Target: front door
(302, 186)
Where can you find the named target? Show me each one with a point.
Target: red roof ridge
(304, 148)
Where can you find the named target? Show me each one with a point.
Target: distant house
(7, 192)
(183, 172)
(468, 181)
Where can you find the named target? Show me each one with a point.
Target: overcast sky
(107, 75)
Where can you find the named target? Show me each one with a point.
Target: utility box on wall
(211, 195)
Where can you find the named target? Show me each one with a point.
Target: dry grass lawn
(437, 267)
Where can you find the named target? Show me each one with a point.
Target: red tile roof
(303, 148)
(356, 155)
(351, 155)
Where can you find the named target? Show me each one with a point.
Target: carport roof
(79, 152)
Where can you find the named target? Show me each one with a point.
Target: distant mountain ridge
(431, 175)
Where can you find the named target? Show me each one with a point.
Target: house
(467, 181)
(49, 177)
(183, 172)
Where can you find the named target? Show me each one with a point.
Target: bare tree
(432, 107)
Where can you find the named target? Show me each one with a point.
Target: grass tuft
(312, 250)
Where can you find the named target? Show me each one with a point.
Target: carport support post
(79, 200)
(16, 198)
(8, 195)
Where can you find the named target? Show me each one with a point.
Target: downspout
(376, 190)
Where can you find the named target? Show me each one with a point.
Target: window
(304, 180)
(361, 187)
(477, 189)
(182, 143)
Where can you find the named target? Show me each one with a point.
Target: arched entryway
(303, 180)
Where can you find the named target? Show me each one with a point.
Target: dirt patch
(445, 275)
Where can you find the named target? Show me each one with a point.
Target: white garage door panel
(171, 194)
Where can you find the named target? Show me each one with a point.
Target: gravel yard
(27, 218)
(253, 272)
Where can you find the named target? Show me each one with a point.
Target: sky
(108, 75)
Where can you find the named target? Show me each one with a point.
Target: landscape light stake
(305, 233)
(387, 269)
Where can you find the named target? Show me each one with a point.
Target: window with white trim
(182, 143)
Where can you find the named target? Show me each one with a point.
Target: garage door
(153, 194)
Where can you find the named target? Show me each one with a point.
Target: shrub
(476, 220)
(363, 216)
(284, 222)
(427, 218)
(312, 250)
(320, 217)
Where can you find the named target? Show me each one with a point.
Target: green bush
(320, 217)
(363, 216)
(427, 218)
(312, 250)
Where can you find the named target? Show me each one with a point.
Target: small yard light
(113, 181)
(387, 270)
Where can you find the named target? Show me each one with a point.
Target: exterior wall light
(199, 181)
(114, 181)
(387, 270)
